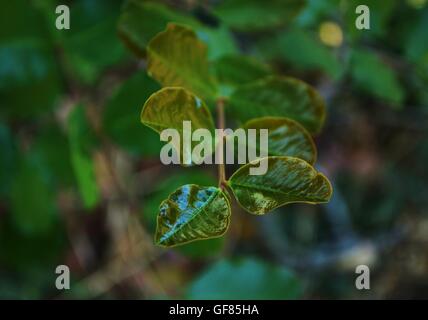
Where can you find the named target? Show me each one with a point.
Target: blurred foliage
(71, 143)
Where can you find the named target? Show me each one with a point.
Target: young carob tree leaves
(290, 109)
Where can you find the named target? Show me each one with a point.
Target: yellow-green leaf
(280, 97)
(192, 213)
(287, 180)
(286, 137)
(169, 107)
(176, 57)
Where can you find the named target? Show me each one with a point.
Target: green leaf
(176, 57)
(192, 213)
(253, 15)
(235, 70)
(219, 41)
(302, 51)
(247, 278)
(169, 107)
(287, 180)
(120, 119)
(279, 97)
(81, 143)
(141, 20)
(32, 199)
(7, 159)
(286, 137)
(384, 85)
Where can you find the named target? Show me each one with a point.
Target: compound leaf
(281, 97)
(287, 180)
(176, 57)
(192, 213)
(286, 137)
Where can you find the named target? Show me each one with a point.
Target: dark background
(81, 180)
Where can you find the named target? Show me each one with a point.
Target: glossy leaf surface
(169, 107)
(286, 138)
(192, 213)
(279, 97)
(176, 57)
(287, 180)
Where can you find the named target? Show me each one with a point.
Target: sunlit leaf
(279, 97)
(141, 20)
(385, 85)
(287, 180)
(245, 279)
(169, 107)
(122, 112)
(249, 15)
(192, 213)
(176, 57)
(286, 138)
(79, 135)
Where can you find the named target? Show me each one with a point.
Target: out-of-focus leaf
(142, 20)
(235, 70)
(247, 278)
(287, 180)
(316, 11)
(81, 142)
(29, 83)
(253, 15)
(279, 97)
(176, 57)
(373, 76)
(192, 213)
(286, 138)
(416, 43)
(380, 15)
(92, 44)
(32, 200)
(121, 116)
(302, 51)
(169, 107)
(7, 159)
(51, 147)
(219, 41)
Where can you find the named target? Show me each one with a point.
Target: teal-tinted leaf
(245, 279)
(168, 108)
(285, 138)
(142, 20)
(287, 180)
(302, 51)
(121, 116)
(32, 199)
(29, 82)
(250, 15)
(79, 135)
(219, 41)
(192, 213)
(279, 97)
(176, 57)
(385, 85)
(235, 70)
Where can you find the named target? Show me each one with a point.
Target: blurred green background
(81, 180)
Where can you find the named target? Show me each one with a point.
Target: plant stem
(219, 152)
